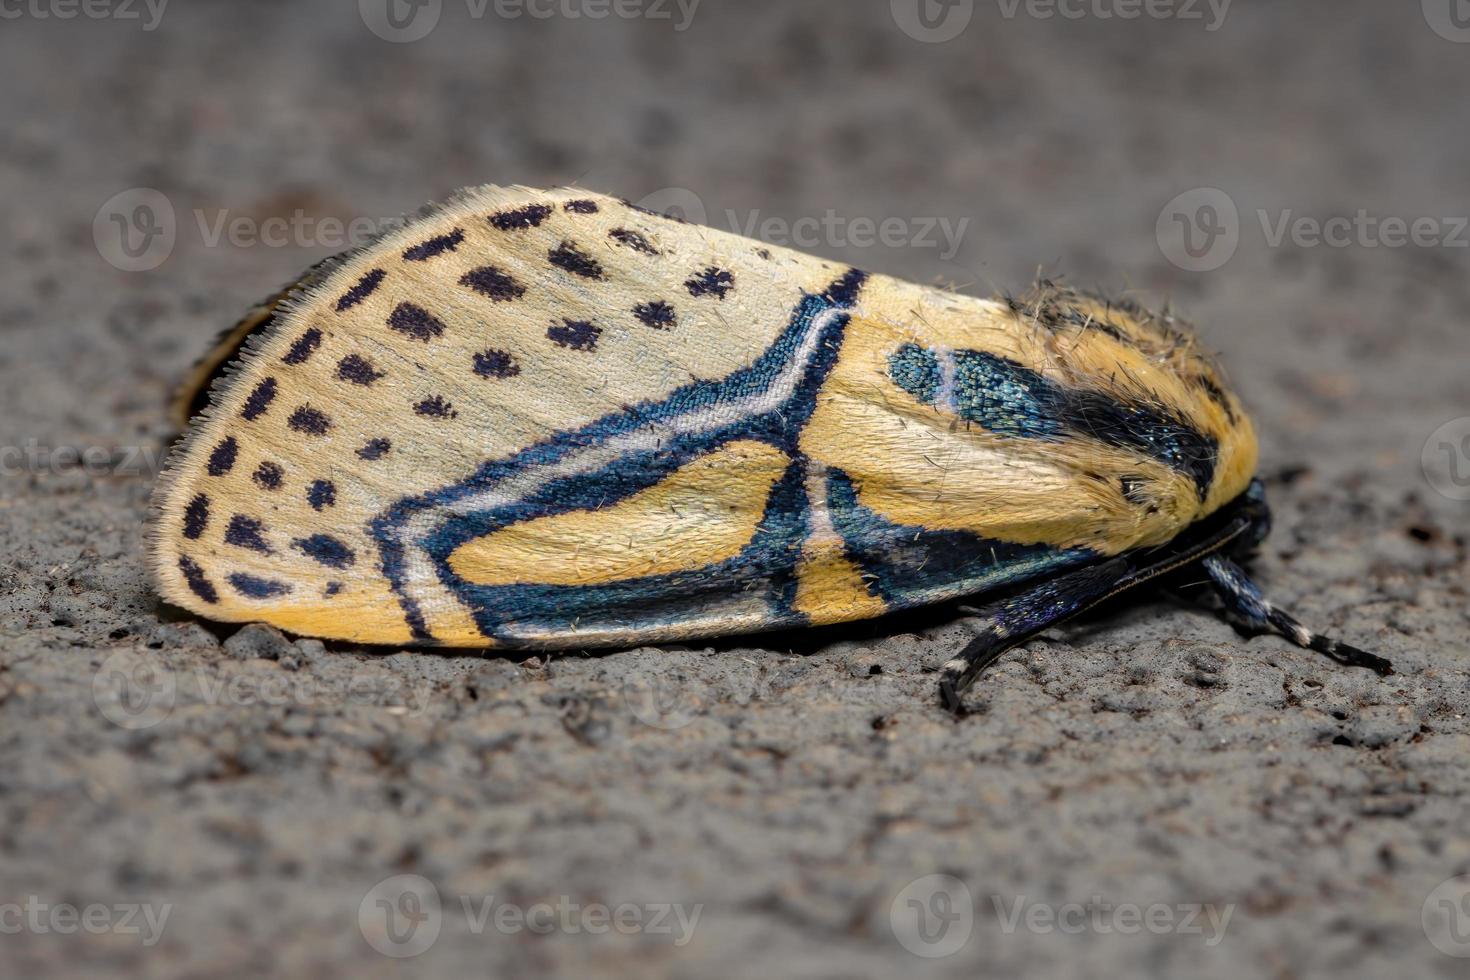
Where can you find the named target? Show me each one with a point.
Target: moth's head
(1176, 405)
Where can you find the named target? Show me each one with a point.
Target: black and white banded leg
(1244, 600)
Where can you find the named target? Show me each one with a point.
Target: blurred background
(1292, 177)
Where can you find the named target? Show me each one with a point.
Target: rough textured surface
(791, 786)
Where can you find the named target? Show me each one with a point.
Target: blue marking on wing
(908, 566)
(773, 549)
(1009, 399)
(765, 566)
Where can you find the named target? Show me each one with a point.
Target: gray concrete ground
(1144, 793)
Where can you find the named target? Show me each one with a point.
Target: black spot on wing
(259, 400)
(435, 407)
(254, 587)
(269, 475)
(434, 246)
(198, 582)
(310, 421)
(495, 283)
(633, 240)
(416, 322)
(196, 517)
(322, 494)
(712, 281)
(657, 314)
(844, 292)
(364, 288)
(581, 207)
(569, 257)
(222, 459)
(248, 533)
(575, 334)
(496, 364)
(332, 589)
(529, 216)
(375, 449)
(326, 550)
(304, 347)
(357, 369)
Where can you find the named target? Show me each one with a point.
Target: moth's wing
(971, 444)
(481, 328)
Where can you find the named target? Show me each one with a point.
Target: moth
(551, 419)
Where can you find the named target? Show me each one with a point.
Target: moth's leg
(1012, 621)
(1244, 600)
